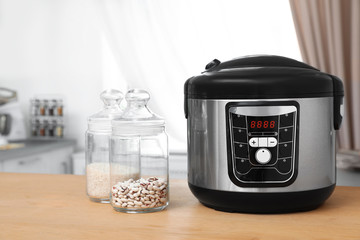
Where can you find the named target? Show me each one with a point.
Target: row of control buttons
(263, 142)
(285, 150)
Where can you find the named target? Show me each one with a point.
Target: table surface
(40, 206)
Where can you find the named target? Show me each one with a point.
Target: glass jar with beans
(138, 158)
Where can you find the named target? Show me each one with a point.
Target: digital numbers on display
(262, 124)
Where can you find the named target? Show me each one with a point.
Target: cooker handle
(256, 61)
(186, 110)
(338, 101)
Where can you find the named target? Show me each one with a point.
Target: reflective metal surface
(207, 146)
(262, 111)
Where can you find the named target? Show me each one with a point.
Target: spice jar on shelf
(35, 107)
(46, 127)
(139, 158)
(34, 128)
(42, 107)
(51, 128)
(59, 107)
(59, 128)
(52, 106)
(41, 128)
(97, 147)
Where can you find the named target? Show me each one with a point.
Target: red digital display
(262, 124)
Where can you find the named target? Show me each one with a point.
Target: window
(158, 45)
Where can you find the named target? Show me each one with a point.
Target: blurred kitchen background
(60, 55)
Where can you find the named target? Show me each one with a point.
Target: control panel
(262, 143)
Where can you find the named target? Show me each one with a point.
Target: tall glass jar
(97, 142)
(139, 174)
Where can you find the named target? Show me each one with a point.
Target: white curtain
(329, 35)
(158, 44)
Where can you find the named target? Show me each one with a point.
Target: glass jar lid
(137, 118)
(101, 121)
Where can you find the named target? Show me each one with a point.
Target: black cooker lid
(262, 77)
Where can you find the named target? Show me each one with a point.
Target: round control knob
(263, 156)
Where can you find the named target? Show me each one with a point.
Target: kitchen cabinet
(52, 157)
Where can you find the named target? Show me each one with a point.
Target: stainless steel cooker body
(313, 146)
(261, 134)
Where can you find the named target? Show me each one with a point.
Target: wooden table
(36, 206)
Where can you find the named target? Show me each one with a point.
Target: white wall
(52, 47)
(57, 47)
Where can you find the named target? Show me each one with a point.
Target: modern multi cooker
(261, 134)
